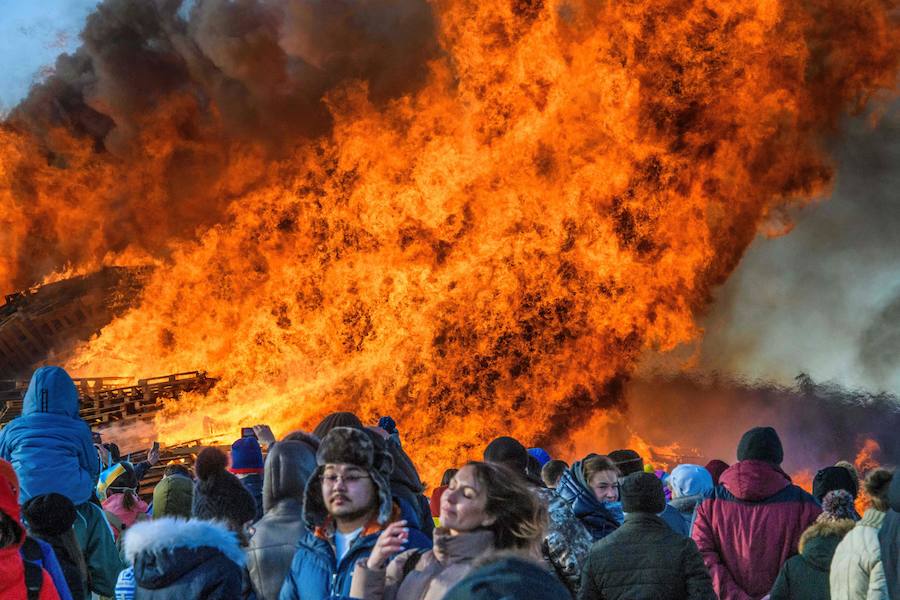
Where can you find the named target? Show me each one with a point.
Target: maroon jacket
(748, 526)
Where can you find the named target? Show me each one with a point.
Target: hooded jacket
(95, 538)
(434, 573)
(805, 577)
(275, 536)
(889, 540)
(856, 570)
(49, 445)
(176, 559)
(566, 545)
(600, 518)
(644, 558)
(173, 496)
(749, 525)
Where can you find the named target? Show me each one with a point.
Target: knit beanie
(837, 505)
(834, 478)
(509, 452)
(246, 456)
(716, 467)
(540, 454)
(218, 494)
(761, 443)
(642, 493)
(49, 515)
(337, 419)
(627, 461)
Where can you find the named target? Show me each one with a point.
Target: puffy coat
(176, 559)
(275, 536)
(598, 517)
(433, 574)
(95, 538)
(805, 577)
(889, 539)
(49, 445)
(675, 521)
(685, 505)
(566, 545)
(121, 518)
(644, 558)
(856, 570)
(749, 525)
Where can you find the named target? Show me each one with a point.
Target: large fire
(483, 249)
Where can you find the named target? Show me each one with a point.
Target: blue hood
(51, 391)
(601, 518)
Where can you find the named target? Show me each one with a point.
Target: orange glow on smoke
(486, 255)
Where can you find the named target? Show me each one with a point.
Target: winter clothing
(406, 486)
(642, 492)
(115, 478)
(644, 558)
(834, 478)
(95, 538)
(121, 518)
(600, 518)
(12, 562)
(50, 519)
(433, 574)
(627, 461)
(889, 539)
(838, 505)
(218, 495)
(246, 456)
(761, 443)
(173, 496)
(176, 560)
(567, 542)
(49, 445)
(685, 505)
(275, 536)
(253, 483)
(540, 454)
(805, 577)
(690, 480)
(508, 577)
(507, 451)
(675, 521)
(856, 569)
(337, 419)
(49, 563)
(716, 467)
(749, 525)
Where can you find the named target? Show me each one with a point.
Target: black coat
(889, 537)
(805, 576)
(645, 559)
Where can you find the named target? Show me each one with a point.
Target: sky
(824, 299)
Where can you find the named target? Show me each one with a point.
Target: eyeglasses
(351, 479)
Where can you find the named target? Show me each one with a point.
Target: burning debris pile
(474, 216)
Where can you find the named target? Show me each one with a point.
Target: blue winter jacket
(49, 445)
(599, 518)
(316, 574)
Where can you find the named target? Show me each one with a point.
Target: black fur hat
(347, 445)
(219, 495)
(49, 514)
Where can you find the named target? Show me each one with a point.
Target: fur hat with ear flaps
(346, 445)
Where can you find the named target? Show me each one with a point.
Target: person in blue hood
(51, 450)
(591, 488)
(49, 445)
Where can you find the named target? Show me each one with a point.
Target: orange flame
(486, 255)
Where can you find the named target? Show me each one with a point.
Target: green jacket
(805, 576)
(96, 540)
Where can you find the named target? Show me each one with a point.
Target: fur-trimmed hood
(168, 534)
(821, 539)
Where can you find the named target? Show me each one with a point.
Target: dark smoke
(175, 117)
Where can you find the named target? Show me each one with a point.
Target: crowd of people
(341, 512)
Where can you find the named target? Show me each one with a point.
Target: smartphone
(155, 447)
(247, 432)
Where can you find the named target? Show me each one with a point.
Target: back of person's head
(288, 467)
(533, 469)
(837, 505)
(851, 468)
(173, 496)
(627, 461)
(552, 471)
(541, 455)
(689, 480)
(642, 493)
(519, 517)
(763, 444)
(246, 456)
(177, 469)
(51, 391)
(716, 467)
(447, 476)
(877, 484)
(218, 494)
(508, 452)
(49, 515)
(11, 530)
(119, 478)
(506, 576)
(336, 419)
(834, 478)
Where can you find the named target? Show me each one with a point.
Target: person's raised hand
(391, 541)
